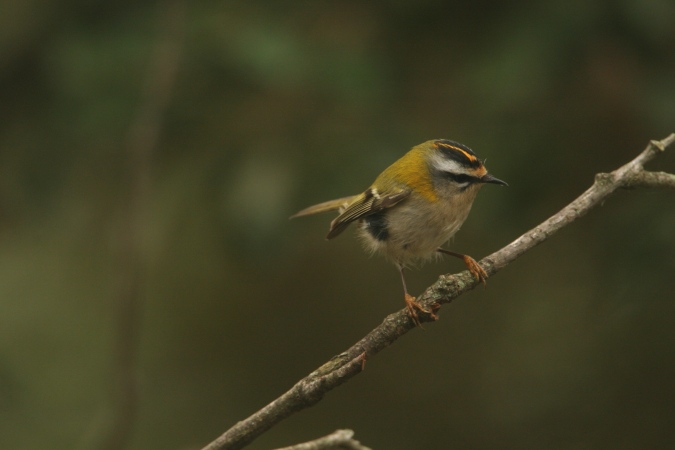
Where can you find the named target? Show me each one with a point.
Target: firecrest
(414, 206)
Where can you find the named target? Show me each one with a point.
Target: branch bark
(342, 367)
(337, 440)
(654, 180)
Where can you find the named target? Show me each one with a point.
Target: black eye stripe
(460, 177)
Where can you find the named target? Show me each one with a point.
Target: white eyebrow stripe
(438, 162)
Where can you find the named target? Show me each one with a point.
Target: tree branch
(653, 180)
(337, 440)
(340, 368)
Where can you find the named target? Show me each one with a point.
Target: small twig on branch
(337, 440)
(339, 369)
(653, 180)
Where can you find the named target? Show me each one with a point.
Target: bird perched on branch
(415, 206)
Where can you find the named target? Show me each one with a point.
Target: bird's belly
(404, 235)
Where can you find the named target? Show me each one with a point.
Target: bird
(414, 207)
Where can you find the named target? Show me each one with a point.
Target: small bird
(414, 206)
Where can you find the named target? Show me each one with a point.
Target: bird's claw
(476, 270)
(413, 306)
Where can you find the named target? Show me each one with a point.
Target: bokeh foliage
(277, 105)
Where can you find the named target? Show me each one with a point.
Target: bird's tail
(331, 205)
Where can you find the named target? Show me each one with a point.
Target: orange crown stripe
(469, 156)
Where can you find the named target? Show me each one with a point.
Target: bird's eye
(460, 178)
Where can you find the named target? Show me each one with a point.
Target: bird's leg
(412, 304)
(471, 264)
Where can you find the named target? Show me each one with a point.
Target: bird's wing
(363, 205)
(330, 205)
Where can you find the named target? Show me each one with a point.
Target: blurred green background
(260, 108)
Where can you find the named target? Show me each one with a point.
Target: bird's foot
(413, 306)
(475, 269)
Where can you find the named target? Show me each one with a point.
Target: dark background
(278, 105)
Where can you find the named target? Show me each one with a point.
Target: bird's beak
(487, 178)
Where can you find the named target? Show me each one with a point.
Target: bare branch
(653, 180)
(605, 184)
(338, 440)
(339, 369)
